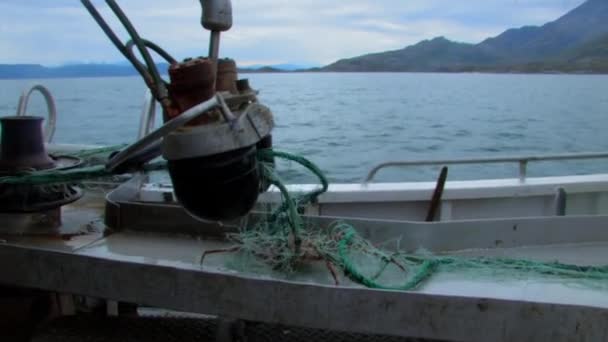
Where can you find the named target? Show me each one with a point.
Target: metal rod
(437, 194)
(226, 113)
(214, 46)
(560, 202)
(144, 144)
(523, 170)
(493, 160)
(148, 113)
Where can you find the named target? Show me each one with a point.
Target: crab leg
(222, 250)
(332, 270)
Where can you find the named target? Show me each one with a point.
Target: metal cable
(152, 46)
(116, 41)
(161, 89)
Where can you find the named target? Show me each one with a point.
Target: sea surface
(347, 123)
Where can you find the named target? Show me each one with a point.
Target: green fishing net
(288, 243)
(92, 169)
(285, 242)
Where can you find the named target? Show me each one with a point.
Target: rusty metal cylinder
(226, 76)
(22, 144)
(192, 82)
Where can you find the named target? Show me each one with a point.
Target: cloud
(277, 31)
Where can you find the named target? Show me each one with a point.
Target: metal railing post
(523, 168)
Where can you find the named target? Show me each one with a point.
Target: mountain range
(576, 42)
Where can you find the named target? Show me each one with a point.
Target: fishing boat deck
(162, 269)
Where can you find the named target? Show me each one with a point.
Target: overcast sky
(265, 31)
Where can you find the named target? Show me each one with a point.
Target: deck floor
(164, 270)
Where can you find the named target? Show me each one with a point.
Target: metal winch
(212, 160)
(213, 122)
(22, 149)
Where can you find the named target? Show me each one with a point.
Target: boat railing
(522, 161)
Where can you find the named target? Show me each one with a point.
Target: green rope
(267, 155)
(295, 221)
(425, 266)
(93, 168)
(68, 176)
(426, 269)
(283, 249)
(418, 267)
(289, 206)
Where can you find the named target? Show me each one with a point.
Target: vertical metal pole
(214, 51)
(214, 46)
(523, 165)
(560, 202)
(148, 113)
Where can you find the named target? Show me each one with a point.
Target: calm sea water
(346, 123)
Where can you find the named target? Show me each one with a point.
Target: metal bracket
(148, 147)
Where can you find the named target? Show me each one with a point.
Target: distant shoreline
(576, 43)
(574, 73)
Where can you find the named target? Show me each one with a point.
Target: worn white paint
(495, 198)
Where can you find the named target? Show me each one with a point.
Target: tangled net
(287, 243)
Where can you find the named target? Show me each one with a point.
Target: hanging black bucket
(221, 187)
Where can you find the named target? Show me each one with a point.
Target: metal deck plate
(162, 270)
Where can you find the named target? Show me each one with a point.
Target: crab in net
(287, 253)
(283, 242)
